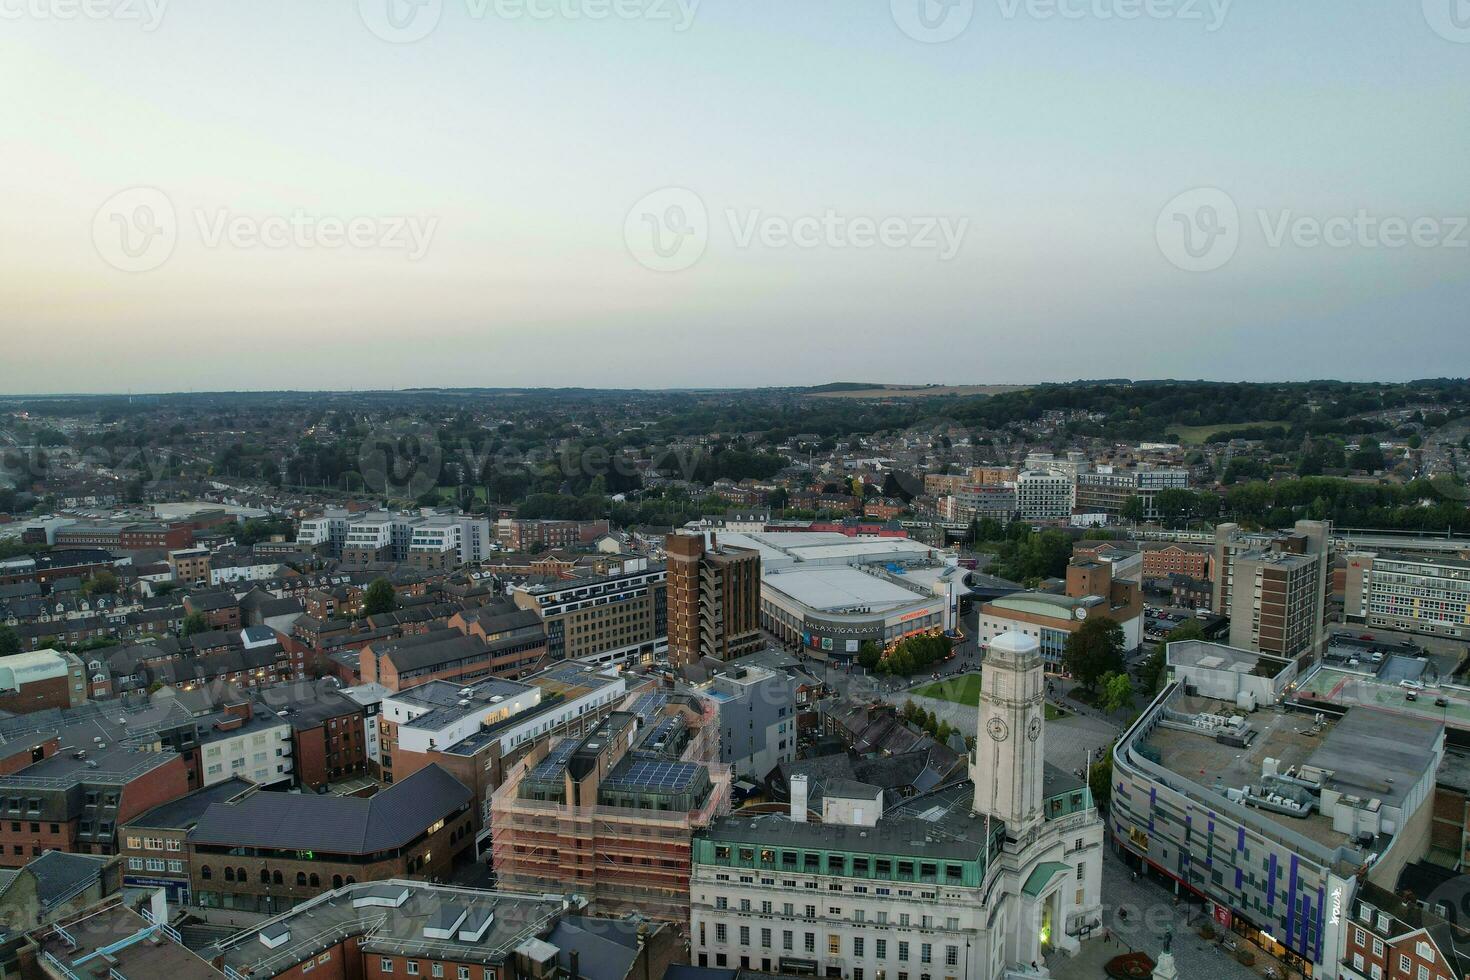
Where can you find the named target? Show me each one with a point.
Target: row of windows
(840, 864)
(858, 944)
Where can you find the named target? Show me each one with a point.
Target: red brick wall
(54, 692)
(164, 784)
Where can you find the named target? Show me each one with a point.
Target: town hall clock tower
(1007, 771)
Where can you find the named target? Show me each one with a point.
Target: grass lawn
(964, 689)
(1195, 435)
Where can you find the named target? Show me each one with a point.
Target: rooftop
(335, 824)
(840, 588)
(184, 813)
(397, 918)
(1368, 754)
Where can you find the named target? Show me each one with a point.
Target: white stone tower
(1008, 747)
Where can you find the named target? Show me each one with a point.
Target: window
(903, 951)
(386, 965)
(411, 968)
(766, 938)
(880, 948)
(857, 946)
(207, 874)
(721, 934)
(834, 945)
(463, 973)
(951, 956)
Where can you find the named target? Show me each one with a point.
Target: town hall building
(973, 880)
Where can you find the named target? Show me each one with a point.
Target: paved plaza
(1136, 915)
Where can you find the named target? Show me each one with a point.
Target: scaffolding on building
(624, 859)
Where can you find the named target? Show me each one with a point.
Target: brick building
(41, 679)
(74, 801)
(269, 851)
(1175, 559)
(714, 599)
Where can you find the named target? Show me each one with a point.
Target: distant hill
(853, 389)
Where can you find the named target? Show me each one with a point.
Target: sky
(669, 193)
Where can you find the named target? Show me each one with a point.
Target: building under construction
(611, 815)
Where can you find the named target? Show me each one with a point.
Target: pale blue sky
(524, 144)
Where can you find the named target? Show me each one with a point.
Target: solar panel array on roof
(556, 760)
(649, 705)
(654, 774)
(663, 730)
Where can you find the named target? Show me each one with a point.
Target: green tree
(1369, 456)
(195, 623)
(102, 583)
(869, 654)
(379, 598)
(1094, 651)
(9, 641)
(1117, 692)
(1133, 508)
(1100, 780)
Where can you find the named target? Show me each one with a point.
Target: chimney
(798, 798)
(575, 963)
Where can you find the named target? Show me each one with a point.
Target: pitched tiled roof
(335, 824)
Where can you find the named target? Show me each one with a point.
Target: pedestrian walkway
(1136, 916)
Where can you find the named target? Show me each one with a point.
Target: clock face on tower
(1033, 730)
(998, 729)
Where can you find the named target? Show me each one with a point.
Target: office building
(1413, 593)
(1043, 495)
(1274, 588)
(757, 718)
(714, 599)
(621, 618)
(1107, 489)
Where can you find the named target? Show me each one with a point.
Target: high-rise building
(1044, 494)
(714, 599)
(1274, 589)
